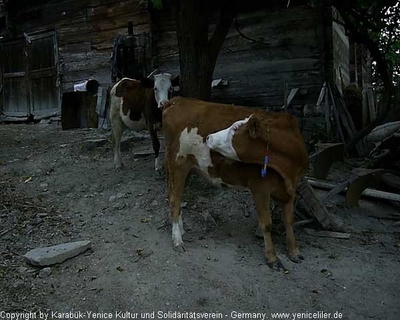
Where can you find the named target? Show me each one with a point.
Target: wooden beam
(310, 203)
(372, 193)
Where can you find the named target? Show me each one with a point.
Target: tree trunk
(197, 52)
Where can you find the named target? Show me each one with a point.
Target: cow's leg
(288, 219)
(118, 128)
(156, 147)
(261, 197)
(176, 178)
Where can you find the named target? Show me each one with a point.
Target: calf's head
(222, 141)
(245, 140)
(162, 85)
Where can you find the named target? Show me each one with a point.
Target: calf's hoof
(180, 248)
(276, 265)
(297, 258)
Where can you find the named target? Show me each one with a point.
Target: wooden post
(327, 113)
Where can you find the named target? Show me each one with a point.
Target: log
(372, 193)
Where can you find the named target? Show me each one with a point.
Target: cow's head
(162, 85)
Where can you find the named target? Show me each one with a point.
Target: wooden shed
(48, 45)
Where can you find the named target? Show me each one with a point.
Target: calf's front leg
(176, 178)
(117, 129)
(156, 147)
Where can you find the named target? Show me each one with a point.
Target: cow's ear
(175, 81)
(254, 127)
(124, 86)
(147, 83)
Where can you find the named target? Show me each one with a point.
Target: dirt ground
(59, 186)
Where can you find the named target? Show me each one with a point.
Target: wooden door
(15, 93)
(30, 77)
(42, 74)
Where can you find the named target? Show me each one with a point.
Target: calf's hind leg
(261, 197)
(288, 219)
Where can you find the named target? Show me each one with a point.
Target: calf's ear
(147, 83)
(124, 86)
(254, 127)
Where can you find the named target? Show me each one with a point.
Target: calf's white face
(162, 87)
(221, 141)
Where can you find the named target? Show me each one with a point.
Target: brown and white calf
(138, 105)
(228, 145)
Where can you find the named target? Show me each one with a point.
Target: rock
(258, 233)
(121, 195)
(37, 221)
(112, 198)
(183, 204)
(45, 272)
(154, 203)
(18, 284)
(42, 214)
(119, 206)
(22, 270)
(47, 256)
(44, 185)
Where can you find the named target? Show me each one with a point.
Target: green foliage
(377, 21)
(389, 38)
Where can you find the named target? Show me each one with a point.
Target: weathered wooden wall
(86, 30)
(287, 49)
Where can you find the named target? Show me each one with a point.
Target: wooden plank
(309, 201)
(292, 94)
(336, 115)
(321, 95)
(14, 74)
(327, 234)
(327, 112)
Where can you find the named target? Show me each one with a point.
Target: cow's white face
(221, 141)
(162, 88)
